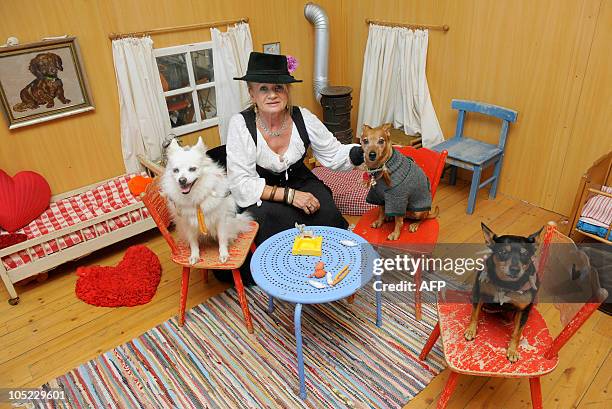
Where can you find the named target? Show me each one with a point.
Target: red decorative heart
(132, 282)
(22, 199)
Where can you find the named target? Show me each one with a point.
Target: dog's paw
(470, 333)
(376, 224)
(223, 255)
(512, 354)
(393, 236)
(413, 227)
(194, 258)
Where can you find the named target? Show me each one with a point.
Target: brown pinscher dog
(403, 191)
(46, 86)
(508, 283)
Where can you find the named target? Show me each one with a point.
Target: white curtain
(394, 86)
(230, 55)
(143, 112)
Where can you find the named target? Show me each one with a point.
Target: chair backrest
(431, 162)
(505, 114)
(158, 209)
(563, 268)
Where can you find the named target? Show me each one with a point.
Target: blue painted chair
(475, 155)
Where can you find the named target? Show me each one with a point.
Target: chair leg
(205, 276)
(474, 189)
(449, 388)
(417, 294)
(496, 173)
(243, 301)
(351, 298)
(452, 177)
(431, 341)
(184, 290)
(536, 393)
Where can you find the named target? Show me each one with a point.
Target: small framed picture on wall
(272, 48)
(43, 81)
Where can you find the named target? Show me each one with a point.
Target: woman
(266, 147)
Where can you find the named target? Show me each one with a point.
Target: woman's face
(269, 98)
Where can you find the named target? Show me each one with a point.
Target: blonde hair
(252, 105)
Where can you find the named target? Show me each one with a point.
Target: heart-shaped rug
(132, 282)
(22, 199)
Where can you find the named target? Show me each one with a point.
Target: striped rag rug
(212, 362)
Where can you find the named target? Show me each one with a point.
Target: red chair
(422, 241)
(486, 354)
(209, 255)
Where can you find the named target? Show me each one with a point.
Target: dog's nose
(183, 181)
(372, 155)
(515, 270)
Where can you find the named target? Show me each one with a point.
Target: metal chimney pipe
(318, 18)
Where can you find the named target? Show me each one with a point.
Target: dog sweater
(409, 190)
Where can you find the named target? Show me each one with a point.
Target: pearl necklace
(274, 134)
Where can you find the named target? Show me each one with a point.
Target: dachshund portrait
(46, 87)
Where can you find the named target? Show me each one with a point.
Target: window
(188, 81)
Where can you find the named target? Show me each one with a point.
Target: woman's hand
(306, 201)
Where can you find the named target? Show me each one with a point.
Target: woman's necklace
(274, 134)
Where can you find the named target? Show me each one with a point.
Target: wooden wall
(546, 59)
(83, 149)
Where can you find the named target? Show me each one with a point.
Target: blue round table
(282, 275)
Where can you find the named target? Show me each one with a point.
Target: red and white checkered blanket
(105, 198)
(348, 191)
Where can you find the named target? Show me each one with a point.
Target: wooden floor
(51, 331)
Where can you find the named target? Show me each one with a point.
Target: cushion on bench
(347, 188)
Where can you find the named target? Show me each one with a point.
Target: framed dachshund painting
(43, 81)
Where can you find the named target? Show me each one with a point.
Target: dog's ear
(387, 129)
(173, 147)
(58, 62)
(200, 145)
(489, 236)
(533, 238)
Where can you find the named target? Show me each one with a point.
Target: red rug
(132, 282)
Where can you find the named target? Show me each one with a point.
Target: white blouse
(245, 183)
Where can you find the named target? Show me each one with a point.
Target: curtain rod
(444, 27)
(115, 36)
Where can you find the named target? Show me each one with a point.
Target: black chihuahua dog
(508, 283)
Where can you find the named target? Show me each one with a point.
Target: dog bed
(75, 224)
(347, 188)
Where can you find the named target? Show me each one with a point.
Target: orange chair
(422, 241)
(486, 354)
(209, 255)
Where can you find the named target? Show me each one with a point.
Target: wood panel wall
(548, 59)
(82, 149)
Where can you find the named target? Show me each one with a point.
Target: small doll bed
(75, 224)
(592, 211)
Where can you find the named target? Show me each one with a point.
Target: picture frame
(43, 81)
(272, 48)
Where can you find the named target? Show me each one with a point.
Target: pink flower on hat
(292, 63)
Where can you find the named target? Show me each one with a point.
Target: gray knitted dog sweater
(409, 190)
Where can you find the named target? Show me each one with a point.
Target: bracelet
(285, 195)
(273, 193)
(291, 195)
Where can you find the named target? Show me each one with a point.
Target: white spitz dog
(192, 179)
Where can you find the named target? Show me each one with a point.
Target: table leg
(270, 304)
(298, 342)
(378, 301)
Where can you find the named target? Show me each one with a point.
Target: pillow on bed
(8, 240)
(22, 199)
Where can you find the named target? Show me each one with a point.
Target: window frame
(193, 88)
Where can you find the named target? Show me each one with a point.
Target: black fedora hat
(267, 68)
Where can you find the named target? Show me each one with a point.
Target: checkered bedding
(348, 191)
(110, 196)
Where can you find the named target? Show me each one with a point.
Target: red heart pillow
(22, 199)
(132, 282)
